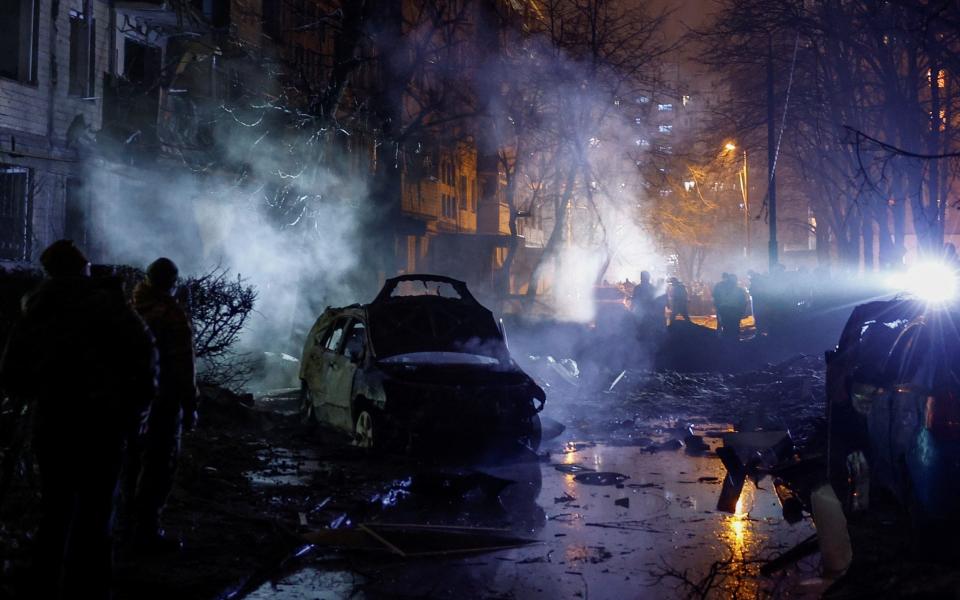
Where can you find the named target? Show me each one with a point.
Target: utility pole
(771, 158)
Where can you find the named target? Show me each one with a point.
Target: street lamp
(742, 176)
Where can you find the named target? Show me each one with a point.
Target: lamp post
(743, 177)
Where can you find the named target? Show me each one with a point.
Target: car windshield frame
(442, 358)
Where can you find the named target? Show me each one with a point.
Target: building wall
(35, 117)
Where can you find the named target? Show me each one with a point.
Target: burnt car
(423, 365)
(893, 408)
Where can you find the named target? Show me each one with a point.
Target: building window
(665, 107)
(463, 193)
(15, 212)
(666, 129)
(82, 54)
(448, 206)
(19, 39)
(273, 19)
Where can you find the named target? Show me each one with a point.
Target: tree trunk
(384, 234)
(560, 220)
(866, 230)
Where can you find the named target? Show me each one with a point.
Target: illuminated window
(665, 107)
(666, 129)
(686, 100)
(643, 100)
(941, 78)
(689, 185)
(665, 192)
(943, 120)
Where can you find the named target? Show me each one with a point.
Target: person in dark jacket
(731, 304)
(88, 362)
(175, 407)
(678, 300)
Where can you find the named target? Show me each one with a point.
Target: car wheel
(364, 431)
(306, 404)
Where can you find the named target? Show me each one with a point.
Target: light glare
(930, 281)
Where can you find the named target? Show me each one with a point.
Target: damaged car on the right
(893, 409)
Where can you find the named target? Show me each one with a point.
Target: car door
(318, 376)
(894, 422)
(342, 367)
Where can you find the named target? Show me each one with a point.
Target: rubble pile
(788, 396)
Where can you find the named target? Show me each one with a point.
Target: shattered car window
(336, 334)
(355, 340)
(425, 287)
(441, 358)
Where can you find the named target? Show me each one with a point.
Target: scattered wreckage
(423, 365)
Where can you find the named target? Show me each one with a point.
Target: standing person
(88, 361)
(644, 296)
(730, 302)
(677, 299)
(647, 308)
(174, 409)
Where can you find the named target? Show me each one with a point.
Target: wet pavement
(638, 537)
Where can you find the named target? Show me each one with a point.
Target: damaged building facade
(103, 99)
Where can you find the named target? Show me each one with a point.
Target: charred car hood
(456, 375)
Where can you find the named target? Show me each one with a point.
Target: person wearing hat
(87, 362)
(174, 409)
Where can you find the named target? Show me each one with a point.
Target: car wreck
(424, 365)
(893, 408)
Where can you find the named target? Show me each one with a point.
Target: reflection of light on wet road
(738, 535)
(669, 521)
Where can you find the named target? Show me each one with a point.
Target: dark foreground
(270, 508)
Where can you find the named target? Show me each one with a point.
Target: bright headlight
(930, 281)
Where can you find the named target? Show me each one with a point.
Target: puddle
(596, 542)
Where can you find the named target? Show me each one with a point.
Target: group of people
(112, 385)
(732, 303)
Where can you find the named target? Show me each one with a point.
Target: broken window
(141, 63)
(82, 54)
(15, 212)
(19, 39)
(356, 341)
(336, 334)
